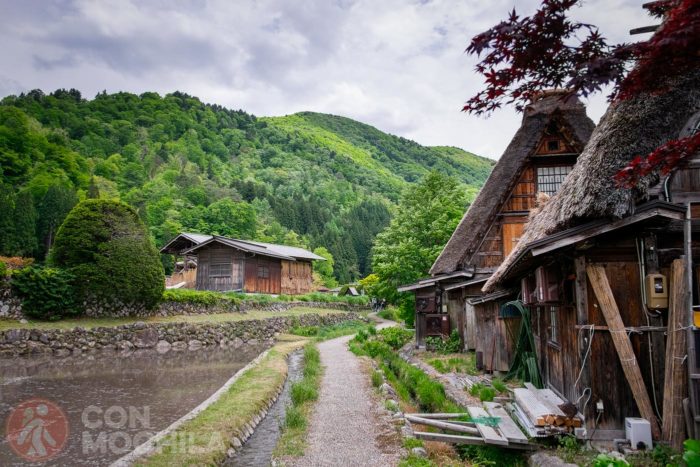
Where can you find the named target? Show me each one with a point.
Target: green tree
(104, 244)
(25, 242)
(426, 216)
(325, 268)
(231, 219)
(53, 209)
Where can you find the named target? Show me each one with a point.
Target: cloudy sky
(396, 64)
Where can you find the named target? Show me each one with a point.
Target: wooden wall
(455, 309)
(492, 336)
(297, 277)
(255, 282)
(214, 259)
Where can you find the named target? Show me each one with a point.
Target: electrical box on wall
(638, 432)
(656, 291)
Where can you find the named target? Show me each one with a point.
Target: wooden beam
(454, 439)
(627, 328)
(675, 389)
(506, 424)
(442, 425)
(623, 346)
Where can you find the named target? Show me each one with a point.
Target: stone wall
(11, 307)
(159, 336)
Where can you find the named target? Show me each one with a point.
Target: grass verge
(322, 333)
(204, 439)
(304, 393)
(88, 323)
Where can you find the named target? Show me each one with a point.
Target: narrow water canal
(111, 403)
(257, 451)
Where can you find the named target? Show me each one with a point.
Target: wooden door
(251, 275)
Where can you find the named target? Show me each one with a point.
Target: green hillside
(309, 179)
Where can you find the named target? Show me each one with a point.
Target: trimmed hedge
(105, 245)
(46, 293)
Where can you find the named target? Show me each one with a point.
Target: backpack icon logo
(37, 429)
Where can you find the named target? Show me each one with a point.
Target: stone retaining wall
(159, 336)
(11, 307)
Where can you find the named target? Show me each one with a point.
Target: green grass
(389, 313)
(410, 383)
(323, 333)
(88, 323)
(377, 379)
(292, 441)
(205, 438)
(453, 363)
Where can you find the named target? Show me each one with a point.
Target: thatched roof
(477, 220)
(628, 129)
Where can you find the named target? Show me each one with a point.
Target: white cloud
(397, 65)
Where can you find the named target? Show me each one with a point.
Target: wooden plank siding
(522, 198)
(297, 277)
(493, 336)
(263, 275)
(219, 268)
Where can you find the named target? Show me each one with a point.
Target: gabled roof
(285, 252)
(293, 251)
(629, 128)
(475, 223)
(184, 241)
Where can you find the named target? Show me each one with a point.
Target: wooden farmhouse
(228, 264)
(610, 275)
(542, 152)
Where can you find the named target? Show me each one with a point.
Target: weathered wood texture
(219, 268)
(490, 435)
(470, 325)
(509, 429)
(263, 275)
(297, 277)
(188, 276)
(493, 336)
(609, 308)
(676, 388)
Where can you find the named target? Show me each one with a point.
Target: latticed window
(549, 179)
(263, 272)
(220, 270)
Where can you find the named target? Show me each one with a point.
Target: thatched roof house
(549, 114)
(628, 129)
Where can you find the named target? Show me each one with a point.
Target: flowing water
(257, 451)
(111, 402)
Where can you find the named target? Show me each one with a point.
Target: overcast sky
(397, 65)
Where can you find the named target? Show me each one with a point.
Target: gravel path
(344, 428)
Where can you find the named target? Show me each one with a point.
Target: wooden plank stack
(542, 408)
(489, 425)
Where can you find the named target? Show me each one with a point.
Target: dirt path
(344, 428)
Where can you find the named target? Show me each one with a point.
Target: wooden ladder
(693, 331)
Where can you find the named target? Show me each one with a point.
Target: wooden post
(623, 346)
(675, 389)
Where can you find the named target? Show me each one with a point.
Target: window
(553, 145)
(220, 270)
(553, 325)
(263, 272)
(549, 179)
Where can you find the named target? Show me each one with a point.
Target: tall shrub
(107, 248)
(46, 293)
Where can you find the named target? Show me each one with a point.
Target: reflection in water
(257, 451)
(115, 402)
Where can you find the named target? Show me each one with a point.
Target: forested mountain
(309, 179)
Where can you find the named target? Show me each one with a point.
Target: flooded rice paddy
(91, 410)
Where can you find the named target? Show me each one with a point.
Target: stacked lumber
(489, 425)
(543, 408)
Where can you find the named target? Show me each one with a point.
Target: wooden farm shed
(543, 151)
(228, 264)
(610, 275)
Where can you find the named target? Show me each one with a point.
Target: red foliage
(523, 56)
(663, 159)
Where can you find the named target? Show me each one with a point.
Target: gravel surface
(344, 428)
